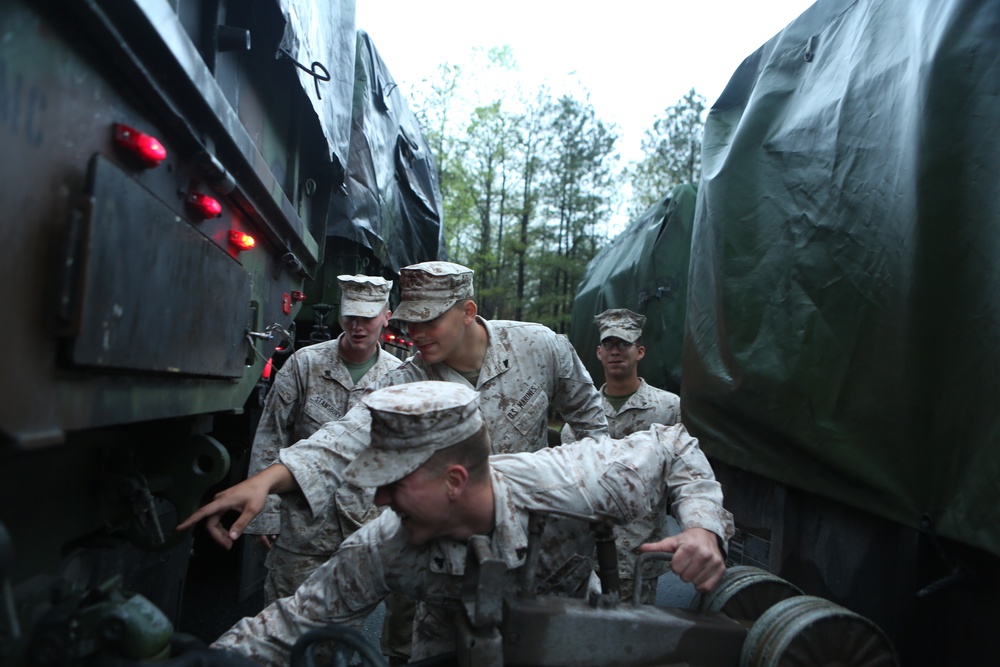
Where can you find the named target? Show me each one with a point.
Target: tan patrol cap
(430, 288)
(363, 296)
(620, 323)
(409, 423)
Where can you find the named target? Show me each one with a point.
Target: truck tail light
(241, 240)
(147, 148)
(204, 206)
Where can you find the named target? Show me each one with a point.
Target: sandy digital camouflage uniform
(526, 370)
(647, 406)
(312, 388)
(615, 479)
(527, 367)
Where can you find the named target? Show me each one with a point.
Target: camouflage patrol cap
(620, 323)
(430, 288)
(409, 423)
(363, 296)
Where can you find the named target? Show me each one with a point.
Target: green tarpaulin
(843, 314)
(391, 200)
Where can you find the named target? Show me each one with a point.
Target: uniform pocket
(528, 410)
(317, 411)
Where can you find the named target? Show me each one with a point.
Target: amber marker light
(241, 240)
(145, 147)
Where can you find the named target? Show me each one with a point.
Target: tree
(526, 183)
(533, 141)
(435, 103)
(578, 196)
(486, 157)
(672, 150)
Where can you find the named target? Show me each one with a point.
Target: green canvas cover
(391, 201)
(645, 270)
(843, 313)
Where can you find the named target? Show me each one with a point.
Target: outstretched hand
(248, 498)
(697, 557)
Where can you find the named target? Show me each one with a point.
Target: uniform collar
(639, 399)
(498, 352)
(336, 370)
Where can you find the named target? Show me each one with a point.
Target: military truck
(834, 330)
(178, 179)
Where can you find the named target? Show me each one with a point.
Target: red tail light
(204, 206)
(241, 240)
(145, 147)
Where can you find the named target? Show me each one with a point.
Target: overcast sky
(635, 57)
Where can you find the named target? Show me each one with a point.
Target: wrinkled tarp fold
(322, 34)
(843, 312)
(390, 203)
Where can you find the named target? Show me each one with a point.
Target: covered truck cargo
(318, 38)
(845, 265)
(843, 312)
(388, 212)
(391, 202)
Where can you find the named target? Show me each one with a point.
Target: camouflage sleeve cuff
(697, 513)
(267, 522)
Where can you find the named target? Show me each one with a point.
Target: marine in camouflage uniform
(313, 387)
(519, 370)
(637, 406)
(419, 548)
(522, 370)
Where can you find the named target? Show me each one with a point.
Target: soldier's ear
(456, 478)
(470, 311)
(640, 352)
